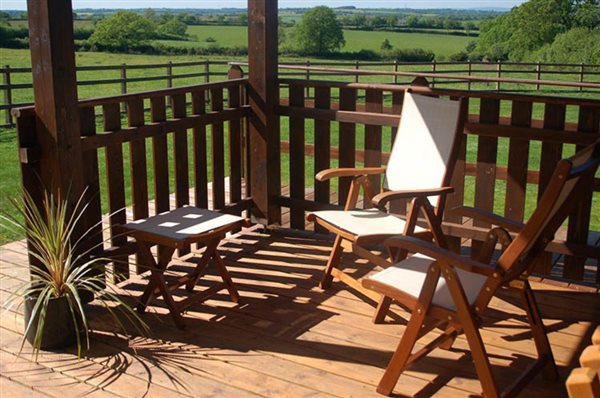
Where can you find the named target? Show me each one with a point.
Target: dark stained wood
(218, 152)
(139, 168)
(91, 179)
(200, 164)
(518, 159)
(458, 183)
(55, 92)
(297, 159)
(322, 147)
(373, 136)
(579, 219)
(180, 153)
(487, 152)
(115, 188)
(235, 148)
(554, 119)
(347, 141)
(160, 157)
(263, 94)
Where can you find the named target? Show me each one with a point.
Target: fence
(14, 97)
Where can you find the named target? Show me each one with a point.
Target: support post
(263, 93)
(498, 74)
(538, 74)
(55, 91)
(470, 71)
(581, 74)
(170, 74)
(7, 94)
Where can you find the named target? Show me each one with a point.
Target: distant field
(356, 40)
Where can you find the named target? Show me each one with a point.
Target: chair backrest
(570, 181)
(427, 143)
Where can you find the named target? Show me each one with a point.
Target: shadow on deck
(285, 338)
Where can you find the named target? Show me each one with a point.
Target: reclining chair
(443, 289)
(419, 169)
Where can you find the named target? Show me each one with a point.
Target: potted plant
(62, 275)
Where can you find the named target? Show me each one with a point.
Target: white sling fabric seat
(409, 276)
(367, 222)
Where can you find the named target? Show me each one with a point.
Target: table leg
(199, 270)
(233, 293)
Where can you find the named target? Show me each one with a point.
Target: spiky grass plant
(64, 270)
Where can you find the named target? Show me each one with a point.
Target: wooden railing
(498, 172)
(166, 149)
(16, 82)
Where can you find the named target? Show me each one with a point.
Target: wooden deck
(285, 338)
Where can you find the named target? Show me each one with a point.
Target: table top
(184, 224)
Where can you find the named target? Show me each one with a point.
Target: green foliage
(124, 30)
(319, 32)
(578, 45)
(386, 45)
(63, 267)
(533, 25)
(410, 55)
(173, 27)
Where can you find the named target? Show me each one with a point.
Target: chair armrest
(429, 249)
(489, 217)
(327, 174)
(385, 197)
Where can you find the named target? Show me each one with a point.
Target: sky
(462, 4)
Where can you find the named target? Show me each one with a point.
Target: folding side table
(177, 229)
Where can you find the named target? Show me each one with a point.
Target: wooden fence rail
(580, 73)
(498, 172)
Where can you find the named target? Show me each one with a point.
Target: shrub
(410, 55)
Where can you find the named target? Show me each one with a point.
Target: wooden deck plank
(289, 338)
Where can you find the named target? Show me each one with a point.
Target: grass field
(227, 36)
(9, 170)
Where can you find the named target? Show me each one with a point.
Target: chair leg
(447, 345)
(538, 331)
(401, 355)
(333, 262)
(480, 358)
(382, 309)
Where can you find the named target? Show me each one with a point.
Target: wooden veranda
(222, 146)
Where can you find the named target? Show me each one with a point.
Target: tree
(173, 27)
(578, 45)
(587, 14)
(386, 45)
(124, 30)
(319, 32)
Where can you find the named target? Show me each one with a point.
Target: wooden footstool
(178, 229)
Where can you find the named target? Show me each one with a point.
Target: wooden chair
(419, 169)
(443, 289)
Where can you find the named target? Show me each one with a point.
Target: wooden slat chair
(419, 169)
(444, 289)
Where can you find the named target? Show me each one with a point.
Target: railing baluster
(200, 164)
(235, 148)
(322, 146)
(373, 139)
(346, 141)
(297, 160)
(218, 151)
(160, 157)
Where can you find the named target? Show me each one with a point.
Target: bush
(578, 45)
(410, 55)
(123, 31)
(13, 37)
(459, 56)
(210, 39)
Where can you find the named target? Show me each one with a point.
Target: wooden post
(356, 78)
(7, 94)
(307, 78)
(263, 94)
(55, 91)
(470, 70)
(433, 70)
(123, 85)
(207, 71)
(581, 74)
(498, 74)
(396, 70)
(170, 74)
(538, 72)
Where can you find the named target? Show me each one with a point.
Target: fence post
(170, 74)
(308, 78)
(396, 70)
(581, 73)
(498, 74)
(538, 71)
(124, 85)
(356, 77)
(470, 71)
(433, 70)
(207, 71)
(7, 94)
